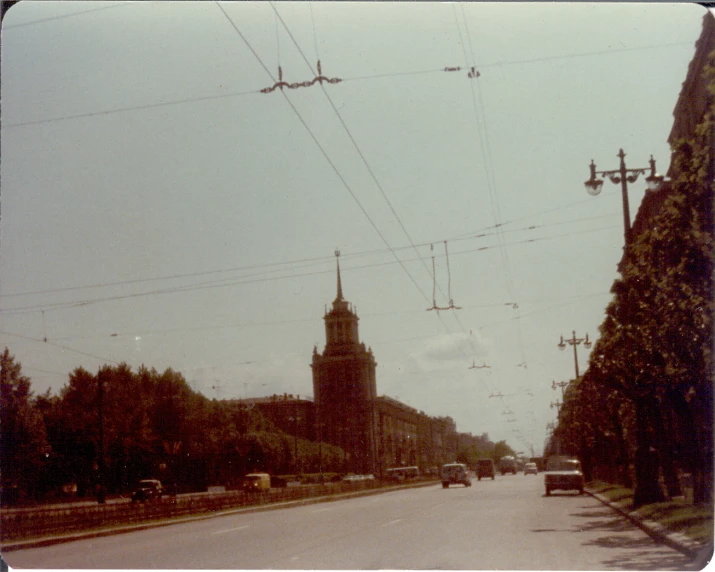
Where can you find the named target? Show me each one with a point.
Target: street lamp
(574, 341)
(624, 176)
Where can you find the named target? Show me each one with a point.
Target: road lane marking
(230, 529)
(393, 522)
(322, 510)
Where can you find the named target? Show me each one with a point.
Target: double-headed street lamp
(574, 341)
(623, 176)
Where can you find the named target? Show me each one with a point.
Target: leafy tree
(656, 341)
(501, 449)
(23, 439)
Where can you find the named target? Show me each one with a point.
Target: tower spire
(340, 284)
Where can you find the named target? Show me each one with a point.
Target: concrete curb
(658, 532)
(121, 529)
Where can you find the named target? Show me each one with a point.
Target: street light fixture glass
(587, 344)
(654, 181)
(593, 185)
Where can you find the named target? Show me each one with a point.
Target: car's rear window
(564, 465)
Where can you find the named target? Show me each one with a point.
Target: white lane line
(230, 529)
(393, 522)
(322, 510)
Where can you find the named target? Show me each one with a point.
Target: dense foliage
(134, 425)
(643, 412)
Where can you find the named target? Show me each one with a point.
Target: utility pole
(295, 433)
(560, 384)
(574, 341)
(101, 497)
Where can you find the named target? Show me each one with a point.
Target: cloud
(460, 347)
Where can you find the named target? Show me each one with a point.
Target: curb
(83, 535)
(658, 532)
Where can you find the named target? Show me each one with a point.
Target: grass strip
(677, 515)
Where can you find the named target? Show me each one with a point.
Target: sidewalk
(695, 550)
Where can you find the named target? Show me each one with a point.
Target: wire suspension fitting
(473, 73)
(319, 78)
(449, 285)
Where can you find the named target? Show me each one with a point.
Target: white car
(531, 468)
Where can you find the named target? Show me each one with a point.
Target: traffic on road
(505, 523)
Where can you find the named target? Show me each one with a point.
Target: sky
(158, 208)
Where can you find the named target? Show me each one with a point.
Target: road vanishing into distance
(507, 524)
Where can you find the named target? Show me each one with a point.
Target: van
(455, 474)
(507, 465)
(485, 468)
(257, 482)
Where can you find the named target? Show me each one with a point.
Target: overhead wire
(323, 152)
(489, 169)
(331, 163)
(379, 186)
(254, 92)
(228, 282)
(312, 260)
(40, 341)
(62, 16)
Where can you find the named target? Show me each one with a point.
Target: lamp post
(624, 176)
(574, 341)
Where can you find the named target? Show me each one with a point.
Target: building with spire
(374, 432)
(344, 387)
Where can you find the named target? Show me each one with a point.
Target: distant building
(288, 412)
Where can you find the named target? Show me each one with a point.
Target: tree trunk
(647, 488)
(666, 441)
(624, 475)
(703, 466)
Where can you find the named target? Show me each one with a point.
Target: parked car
(257, 482)
(485, 468)
(147, 490)
(563, 473)
(531, 469)
(455, 474)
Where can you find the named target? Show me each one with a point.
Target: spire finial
(340, 285)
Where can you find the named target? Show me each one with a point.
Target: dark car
(485, 468)
(507, 465)
(147, 490)
(563, 473)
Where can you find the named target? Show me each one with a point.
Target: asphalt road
(503, 524)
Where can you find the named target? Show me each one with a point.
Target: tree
(501, 449)
(23, 439)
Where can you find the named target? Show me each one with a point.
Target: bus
(401, 474)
